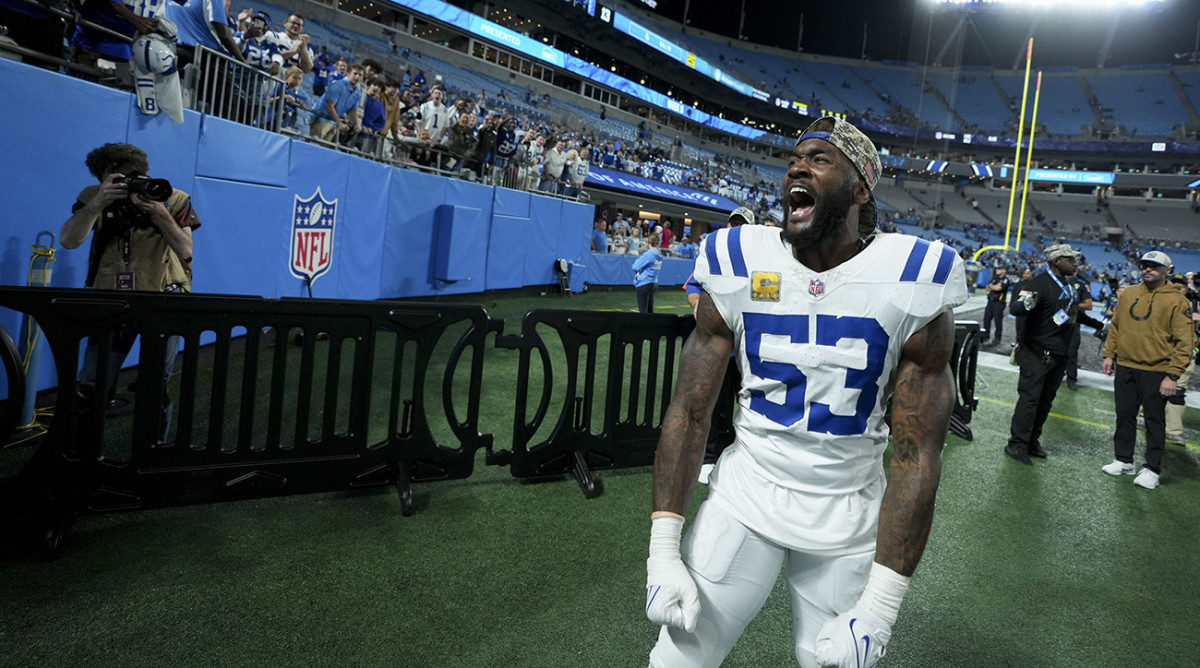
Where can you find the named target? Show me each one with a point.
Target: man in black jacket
(1050, 303)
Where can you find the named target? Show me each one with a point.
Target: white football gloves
(671, 596)
(855, 639)
(858, 638)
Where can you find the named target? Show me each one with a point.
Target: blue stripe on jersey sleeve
(735, 253)
(943, 268)
(915, 258)
(710, 252)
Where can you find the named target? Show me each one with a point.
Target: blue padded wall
(237, 152)
(232, 255)
(542, 241)
(460, 245)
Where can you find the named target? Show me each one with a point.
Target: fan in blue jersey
(507, 141)
(257, 47)
(828, 323)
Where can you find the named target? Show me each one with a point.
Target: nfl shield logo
(816, 287)
(312, 236)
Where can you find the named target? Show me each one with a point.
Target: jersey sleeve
(924, 278)
(721, 271)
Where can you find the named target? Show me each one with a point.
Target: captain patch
(764, 286)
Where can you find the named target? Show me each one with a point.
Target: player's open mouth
(800, 203)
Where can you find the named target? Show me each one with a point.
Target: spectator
(531, 158)
(322, 70)
(89, 45)
(340, 69)
(257, 47)
(636, 244)
(667, 235)
(293, 44)
(422, 151)
(294, 100)
(554, 160)
(507, 141)
(435, 116)
(336, 112)
(461, 141)
(391, 134)
(620, 224)
(482, 155)
(202, 23)
(577, 169)
(374, 117)
(1147, 349)
(645, 270)
(599, 238)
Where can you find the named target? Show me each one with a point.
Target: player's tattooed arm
(702, 367)
(921, 408)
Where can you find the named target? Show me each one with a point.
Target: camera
(155, 190)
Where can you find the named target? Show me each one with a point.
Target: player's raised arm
(671, 596)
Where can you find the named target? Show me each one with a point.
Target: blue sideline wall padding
(506, 250)
(358, 246)
(237, 152)
(544, 219)
(460, 244)
(407, 267)
(231, 257)
(575, 231)
(618, 270)
(311, 168)
(513, 203)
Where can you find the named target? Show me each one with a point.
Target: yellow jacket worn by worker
(1151, 330)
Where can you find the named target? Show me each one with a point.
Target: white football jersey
(817, 352)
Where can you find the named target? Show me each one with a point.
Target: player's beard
(828, 217)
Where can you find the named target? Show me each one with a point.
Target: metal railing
(224, 87)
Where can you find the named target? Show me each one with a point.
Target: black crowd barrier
(963, 362)
(620, 373)
(291, 396)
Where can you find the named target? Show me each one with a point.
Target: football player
(827, 321)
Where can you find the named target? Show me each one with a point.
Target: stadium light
(1048, 4)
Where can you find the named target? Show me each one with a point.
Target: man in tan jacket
(1148, 347)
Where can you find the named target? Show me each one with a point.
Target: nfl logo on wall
(312, 236)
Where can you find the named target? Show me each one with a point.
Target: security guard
(1049, 301)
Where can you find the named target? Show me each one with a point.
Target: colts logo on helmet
(313, 222)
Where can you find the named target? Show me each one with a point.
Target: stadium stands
(975, 98)
(1141, 101)
(1064, 109)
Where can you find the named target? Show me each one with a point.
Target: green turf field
(1054, 565)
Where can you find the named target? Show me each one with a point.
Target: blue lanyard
(1069, 294)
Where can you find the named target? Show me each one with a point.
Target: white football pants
(735, 570)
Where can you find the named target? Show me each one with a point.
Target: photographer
(142, 241)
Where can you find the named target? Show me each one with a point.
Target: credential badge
(313, 222)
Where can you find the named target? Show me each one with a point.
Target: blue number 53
(830, 330)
